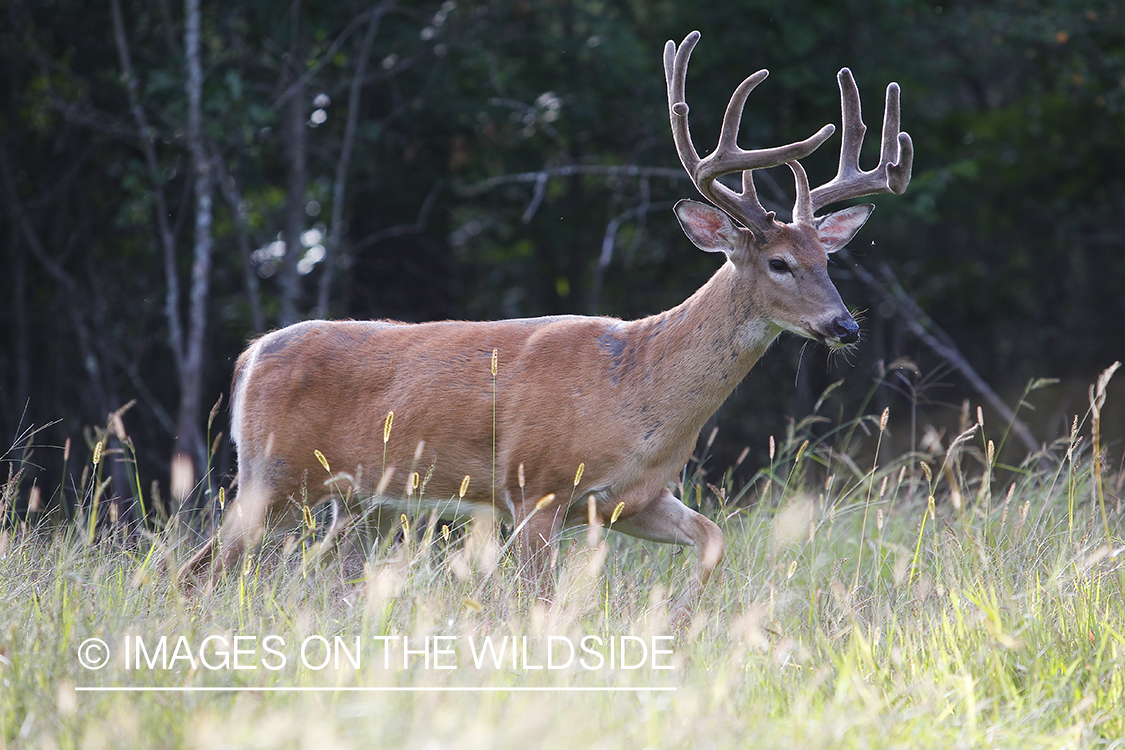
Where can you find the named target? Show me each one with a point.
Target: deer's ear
(837, 229)
(708, 228)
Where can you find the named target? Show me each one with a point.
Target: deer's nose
(846, 329)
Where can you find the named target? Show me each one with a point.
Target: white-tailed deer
(626, 399)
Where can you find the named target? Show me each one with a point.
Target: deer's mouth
(839, 333)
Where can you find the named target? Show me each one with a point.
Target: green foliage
(1008, 235)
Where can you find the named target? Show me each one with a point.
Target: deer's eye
(779, 265)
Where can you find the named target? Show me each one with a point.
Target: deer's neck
(683, 363)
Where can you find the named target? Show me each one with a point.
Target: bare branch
(164, 230)
(233, 197)
(569, 170)
(536, 198)
(330, 52)
(339, 188)
(609, 240)
(931, 334)
(401, 230)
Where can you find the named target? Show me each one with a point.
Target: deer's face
(784, 274)
(788, 276)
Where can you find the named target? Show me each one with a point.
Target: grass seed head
(323, 461)
(593, 528)
(578, 474)
(387, 426)
(1097, 393)
(616, 513)
(801, 452)
(742, 456)
(214, 412)
(183, 476)
(118, 424)
(545, 501)
(495, 356)
(711, 437)
(98, 451)
(464, 487)
(384, 481)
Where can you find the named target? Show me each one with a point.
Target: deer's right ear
(708, 228)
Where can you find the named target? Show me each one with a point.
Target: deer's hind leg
(666, 519)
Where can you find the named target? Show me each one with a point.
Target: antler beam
(727, 156)
(892, 175)
(896, 155)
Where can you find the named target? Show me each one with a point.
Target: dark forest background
(178, 177)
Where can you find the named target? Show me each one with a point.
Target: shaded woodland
(178, 178)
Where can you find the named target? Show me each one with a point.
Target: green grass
(851, 611)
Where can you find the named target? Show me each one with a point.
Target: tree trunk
(189, 427)
(295, 133)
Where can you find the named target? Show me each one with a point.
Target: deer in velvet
(626, 399)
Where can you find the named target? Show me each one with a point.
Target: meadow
(933, 598)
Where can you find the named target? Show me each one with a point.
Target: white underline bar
(205, 689)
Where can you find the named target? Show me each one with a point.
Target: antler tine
(896, 154)
(802, 208)
(898, 171)
(727, 156)
(675, 74)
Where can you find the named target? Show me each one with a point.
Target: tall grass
(931, 600)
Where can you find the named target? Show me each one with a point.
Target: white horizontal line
(206, 689)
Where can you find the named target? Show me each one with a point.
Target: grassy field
(927, 600)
